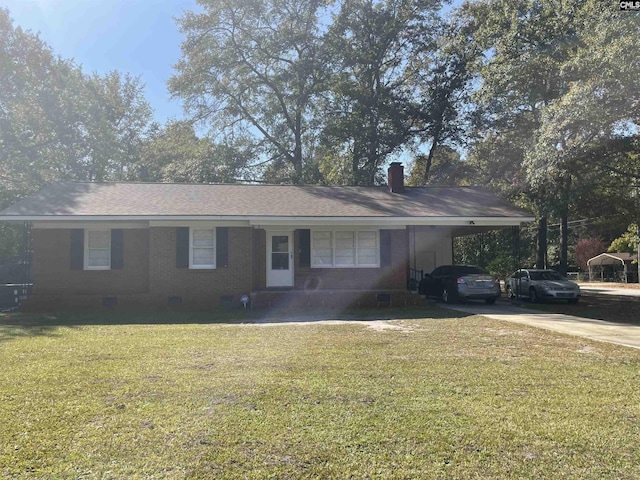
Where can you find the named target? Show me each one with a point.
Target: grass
(422, 397)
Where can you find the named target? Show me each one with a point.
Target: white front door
(279, 259)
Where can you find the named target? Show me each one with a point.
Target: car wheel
(573, 300)
(510, 293)
(533, 295)
(490, 301)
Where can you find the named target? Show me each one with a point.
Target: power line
(583, 221)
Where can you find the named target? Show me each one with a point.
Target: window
(322, 249)
(345, 248)
(97, 250)
(202, 248)
(368, 251)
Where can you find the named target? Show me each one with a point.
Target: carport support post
(516, 246)
(26, 262)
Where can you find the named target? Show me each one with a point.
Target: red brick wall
(150, 275)
(52, 273)
(259, 259)
(392, 277)
(200, 288)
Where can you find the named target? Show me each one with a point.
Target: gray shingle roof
(166, 200)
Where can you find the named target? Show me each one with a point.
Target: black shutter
(77, 249)
(182, 247)
(385, 248)
(222, 247)
(304, 237)
(117, 248)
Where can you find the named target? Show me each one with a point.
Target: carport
(432, 246)
(611, 266)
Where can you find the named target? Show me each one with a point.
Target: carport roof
(95, 201)
(611, 258)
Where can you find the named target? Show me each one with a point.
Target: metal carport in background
(615, 262)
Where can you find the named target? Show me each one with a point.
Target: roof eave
(284, 220)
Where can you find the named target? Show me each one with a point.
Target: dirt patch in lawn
(378, 325)
(382, 326)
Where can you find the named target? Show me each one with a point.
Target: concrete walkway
(618, 333)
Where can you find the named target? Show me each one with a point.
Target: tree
(591, 110)
(443, 83)
(37, 121)
(56, 123)
(538, 87)
(493, 250)
(250, 68)
(174, 153)
(447, 169)
(595, 111)
(516, 78)
(370, 107)
(113, 119)
(627, 242)
(588, 248)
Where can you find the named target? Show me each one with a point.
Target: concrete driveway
(618, 333)
(610, 290)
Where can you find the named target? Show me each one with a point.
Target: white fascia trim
(124, 218)
(279, 220)
(382, 222)
(89, 225)
(199, 223)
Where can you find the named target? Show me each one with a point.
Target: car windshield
(546, 275)
(465, 270)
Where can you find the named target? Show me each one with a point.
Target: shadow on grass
(609, 308)
(14, 331)
(46, 323)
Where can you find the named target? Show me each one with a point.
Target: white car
(537, 285)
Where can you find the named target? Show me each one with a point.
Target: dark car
(460, 282)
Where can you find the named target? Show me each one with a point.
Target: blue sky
(140, 37)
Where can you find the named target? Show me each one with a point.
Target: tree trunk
(564, 244)
(564, 226)
(542, 243)
(638, 240)
(432, 151)
(297, 152)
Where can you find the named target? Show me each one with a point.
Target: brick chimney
(396, 177)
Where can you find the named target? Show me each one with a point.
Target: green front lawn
(416, 398)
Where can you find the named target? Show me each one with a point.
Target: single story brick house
(145, 245)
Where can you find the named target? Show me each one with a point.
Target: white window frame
(87, 248)
(356, 235)
(209, 266)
